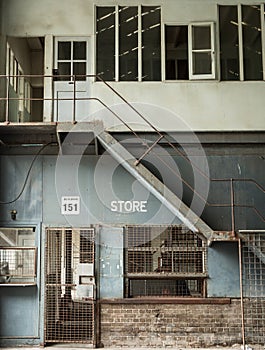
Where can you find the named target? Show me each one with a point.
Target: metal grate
(165, 287)
(164, 261)
(17, 264)
(253, 259)
(70, 284)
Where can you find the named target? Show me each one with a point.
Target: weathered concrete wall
(196, 105)
(171, 325)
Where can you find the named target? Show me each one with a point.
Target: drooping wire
(28, 173)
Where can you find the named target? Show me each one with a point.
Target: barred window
(18, 256)
(164, 261)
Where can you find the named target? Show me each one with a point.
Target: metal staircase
(154, 185)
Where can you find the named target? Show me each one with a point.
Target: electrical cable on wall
(28, 173)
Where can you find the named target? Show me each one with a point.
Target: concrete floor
(83, 346)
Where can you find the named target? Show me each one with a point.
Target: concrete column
(2, 79)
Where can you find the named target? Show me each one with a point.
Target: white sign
(128, 206)
(70, 205)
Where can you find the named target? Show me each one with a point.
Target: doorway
(71, 83)
(70, 289)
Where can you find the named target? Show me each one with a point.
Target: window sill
(168, 300)
(18, 284)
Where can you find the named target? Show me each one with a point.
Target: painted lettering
(128, 206)
(113, 206)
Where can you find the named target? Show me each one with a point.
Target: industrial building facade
(132, 150)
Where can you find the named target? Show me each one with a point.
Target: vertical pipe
(241, 292)
(7, 98)
(140, 43)
(240, 39)
(232, 207)
(262, 9)
(74, 104)
(117, 48)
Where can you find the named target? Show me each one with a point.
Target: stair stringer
(155, 186)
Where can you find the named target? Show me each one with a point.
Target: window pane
(252, 51)
(17, 255)
(177, 52)
(128, 43)
(80, 70)
(151, 43)
(79, 50)
(64, 69)
(64, 50)
(106, 42)
(229, 55)
(202, 63)
(201, 37)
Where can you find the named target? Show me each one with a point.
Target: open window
(201, 51)
(190, 51)
(18, 256)
(164, 262)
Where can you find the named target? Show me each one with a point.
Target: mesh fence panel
(68, 317)
(253, 261)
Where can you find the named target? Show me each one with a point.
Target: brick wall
(170, 325)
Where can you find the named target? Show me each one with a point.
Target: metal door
(253, 288)
(70, 286)
(71, 83)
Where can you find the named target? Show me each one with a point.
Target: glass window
(79, 50)
(201, 62)
(153, 251)
(79, 70)
(72, 60)
(64, 50)
(177, 52)
(17, 255)
(241, 42)
(138, 46)
(64, 69)
(252, 50)
(229, 53)
(151, 43)
(201, 37)
(105, 29)
(128, 43)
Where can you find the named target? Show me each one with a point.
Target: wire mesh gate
(253, 287)
(70, 286)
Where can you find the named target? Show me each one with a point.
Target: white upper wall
(75, 17)
(201, 105)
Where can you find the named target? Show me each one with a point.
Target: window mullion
(262, 8)
(163, 52)
(190, 53)
(139, 43)
(72, 59)
(117, 57)
(240, 43)
(213, 51)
